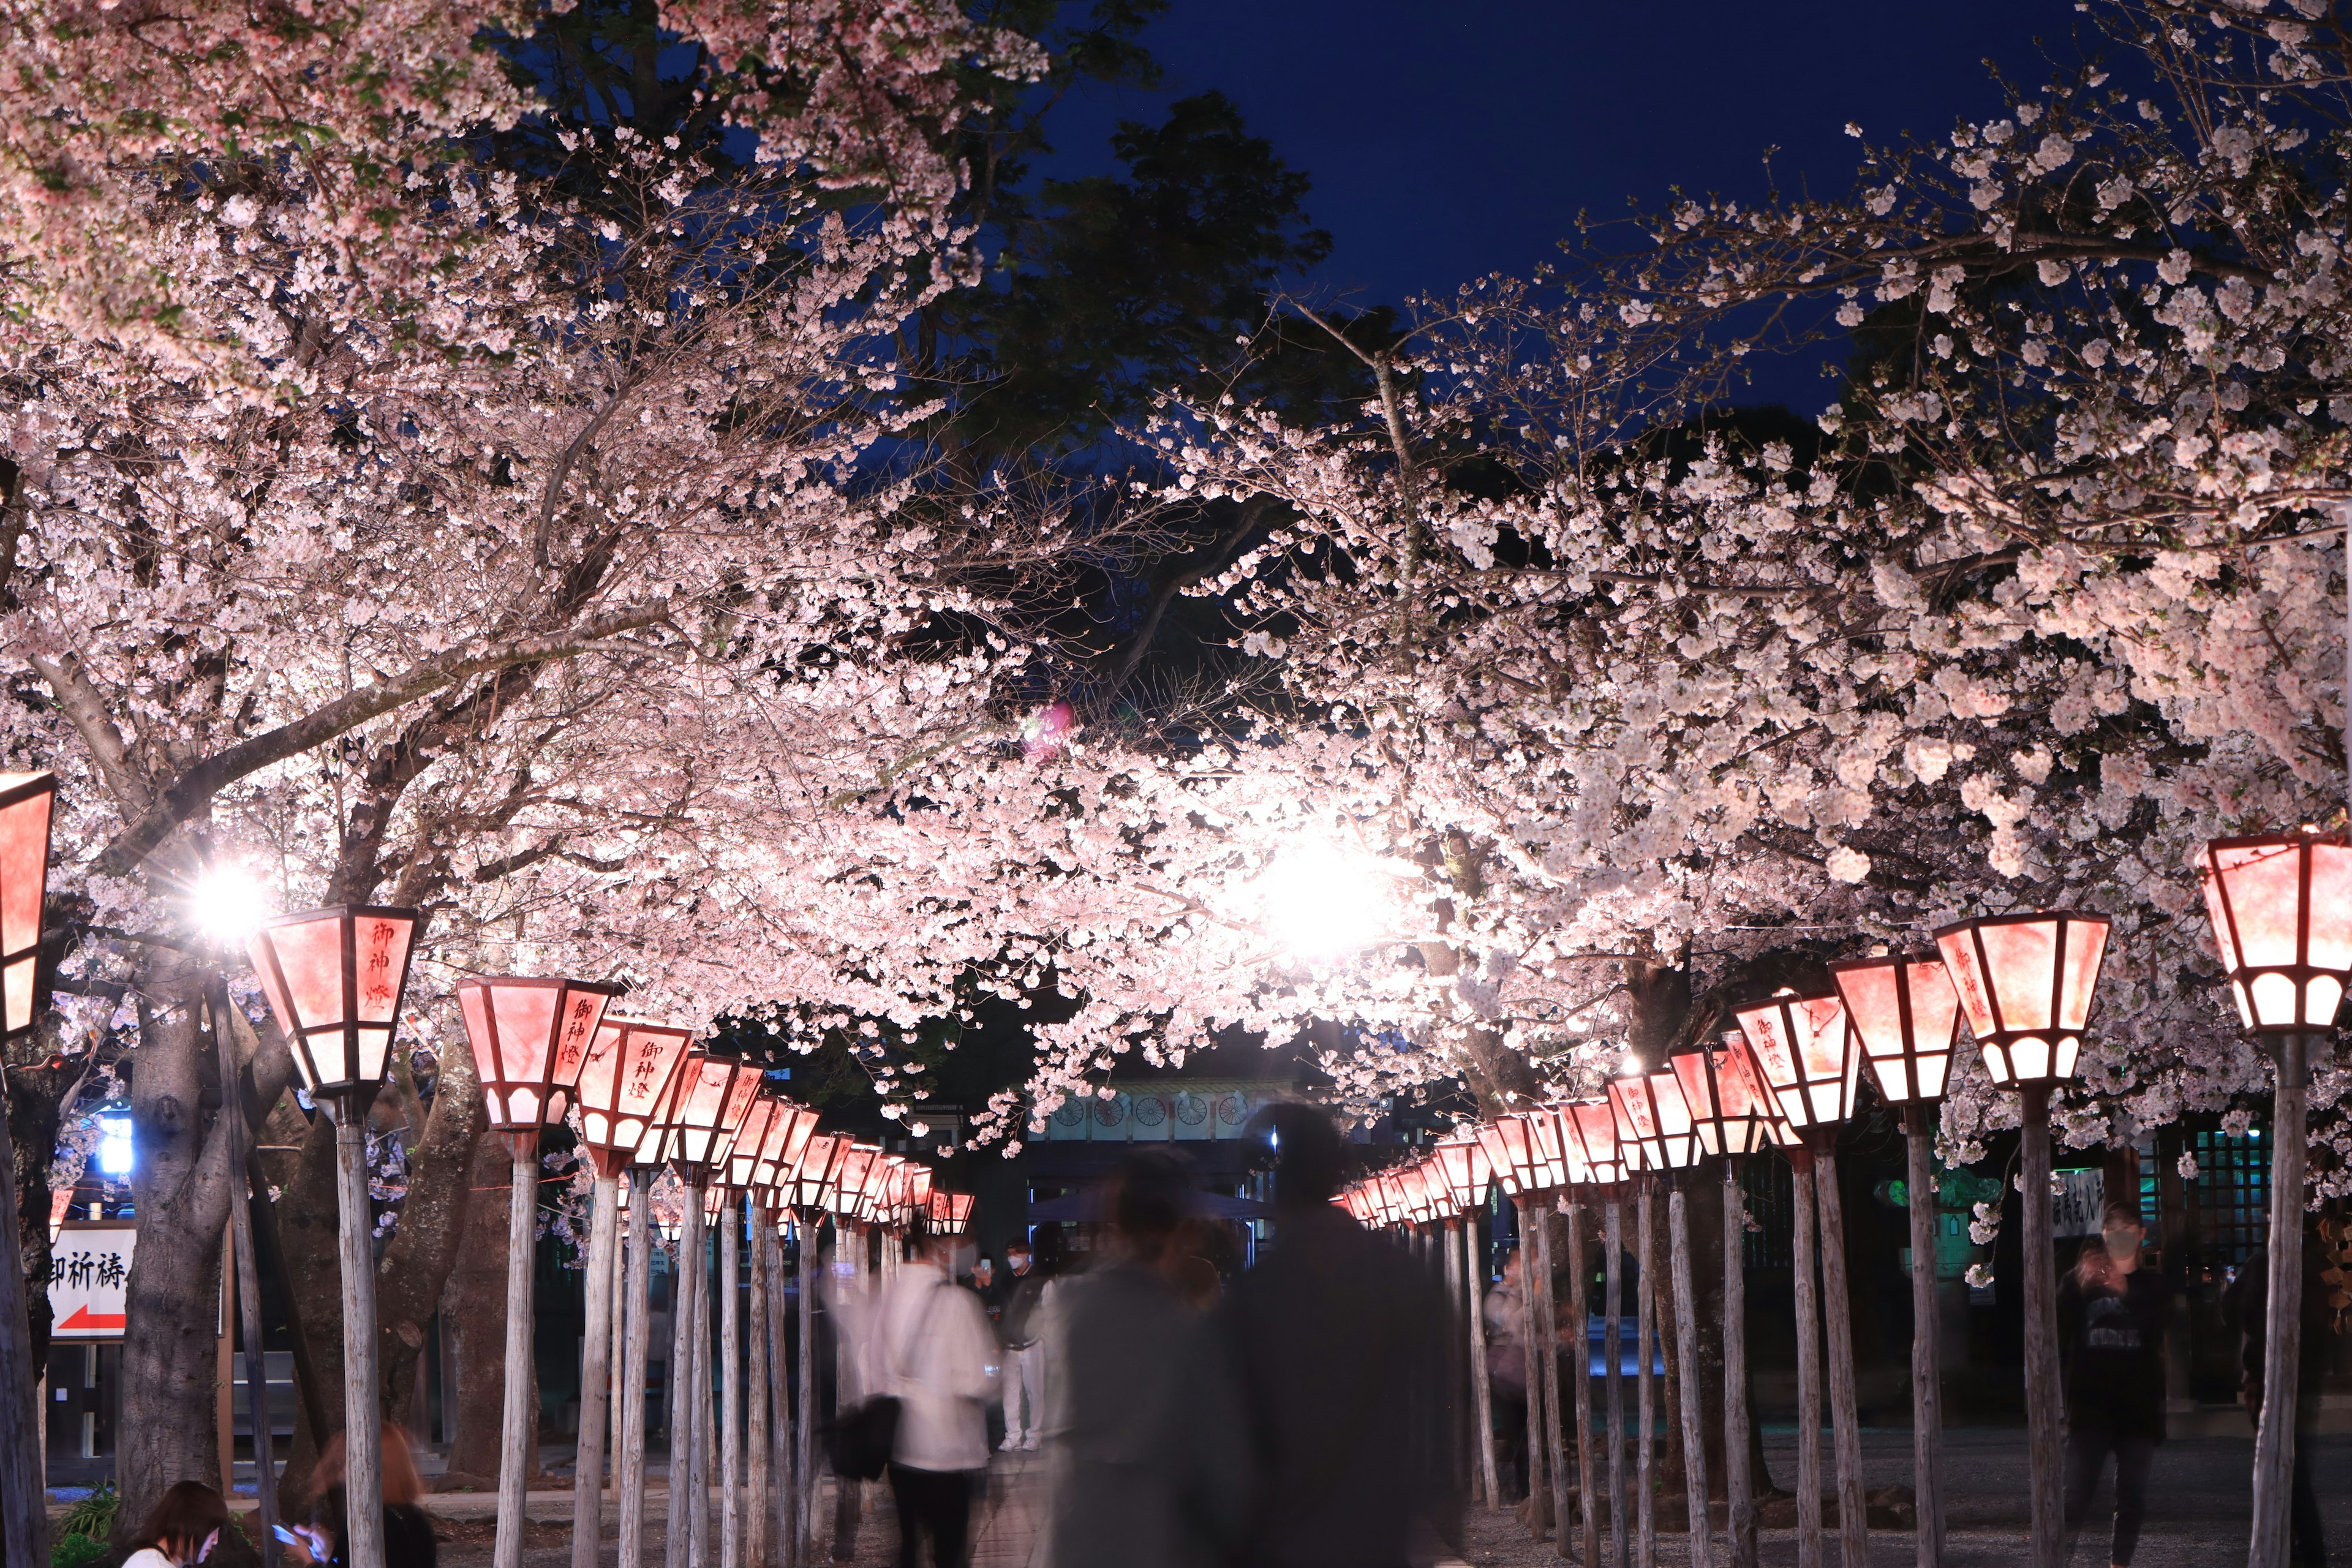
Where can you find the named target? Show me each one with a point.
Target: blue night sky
(1453, 139)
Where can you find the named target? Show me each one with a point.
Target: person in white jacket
(931, 1349)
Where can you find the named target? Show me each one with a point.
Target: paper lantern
(2025, 982)
(1510, 1154)
(1602, 1160)
(849, 1174)
(1555, 1149)
(1801, 1050)
(810, 1187)
(1731, 1112)
(335, 978)
(1905, 1015)
(744, 1149)
(2282, 911)
(707, 1102)
(780, 1151)
(530, 1038)
(1654, 1116)
(1462, 1161)
(27, 804)
(624, 1081)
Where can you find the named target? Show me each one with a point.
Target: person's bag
(859, 1442)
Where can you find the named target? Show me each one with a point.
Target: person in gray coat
(1146, 1463)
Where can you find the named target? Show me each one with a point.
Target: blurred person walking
(1018, 1323)
(1339, 1345)
(1142, 1424)
(1506, 1375)
(2111, 1316)
(408, 1538)
(933, 1351)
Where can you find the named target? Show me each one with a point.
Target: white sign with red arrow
(89, 1266)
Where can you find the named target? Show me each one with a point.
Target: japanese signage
(90, 1267)
(2075, 1207)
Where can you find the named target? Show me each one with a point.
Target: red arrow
(92, 1322)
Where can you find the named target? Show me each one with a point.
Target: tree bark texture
(2043, 1432)
(683, 1412)
(637, 1353)
(808, 1259)
(1463, 1450)
(1645, 1342)
(23, 1496)
(517, 1424)
(478, 1324)
(1686, 1337)
(247, 1274)
(596, 1375)
(1738, 1481)
(730, 1387)
(1837, 1310)
(2274, 1432)
(362, 1393)
(1926, 1371)
(1530, 1315)
(1809, 1372)
(756, 1448)
(1613, 1346)
(1581, 1358)
(1482, 1392)
(1545, 1365)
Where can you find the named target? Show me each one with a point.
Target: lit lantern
(920, 1179)
(530, 1038)
(1730, 1112)
(1356, 1204)
(2025, 982)
(623, 1080)
(1654, 1116)
(812, 1176)
(1464, 1164)
(28, 801)
(1905, 1015)
(1602, 1159)
(960, 1206)
(335, 977)
(780, 1151)
(1509, 1144)
(707, 1103)
(2281, 909)
(743, 1150)
(849, 1174)
(1555, 1149)
(1801, 1050)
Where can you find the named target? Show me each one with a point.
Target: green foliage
(93, 1516)
(76, 1551)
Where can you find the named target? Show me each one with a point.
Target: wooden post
(24, 1485)
(1613, 1346)
(637, 1355)
(681, 1377)
(2044, 1437)
(1738, 1481)
(1580, 1278)
(1482, 1388)
(1809, 1371)
(363, 1428)
(755, 1393)
(705, 1444)
(247, 1295)
(595, 1370)
(618, 1289)
(224, 1376)
(1853, 1518)
(730, 1387)
(1686, 1351)
(2281, 1308)
(808, 1261)
(1459, 1376)
(1926, 1371)
(517, 1428)
(1538, 1451)
(1646, 1341)
(1546, 1353)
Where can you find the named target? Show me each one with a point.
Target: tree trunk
(1853, 1521)
(1645, 1350)
(1580, 1284)
(477, 1324)
(1614, 1346)
(1809, 1373)
(1926, 1370)
(1739, 1473)
(1688, 1384)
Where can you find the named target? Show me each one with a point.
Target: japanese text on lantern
(575, 1030)
(378, 980)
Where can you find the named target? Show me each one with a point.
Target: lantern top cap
(2025, 917)
(477, 982)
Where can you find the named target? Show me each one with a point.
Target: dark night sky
(1452, 139)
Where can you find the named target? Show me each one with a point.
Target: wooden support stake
(809, 1260)
(636, 1356)
(1809, 1371)
(1613, 1346)
(595, 1368)
(1853, 1518)
(682, 1411)
(1738, 1481)
(1686, 1351)
(1547, 1352)
(755, 1393)
(2044, 1436)
(2281, 1308)
(1538, 1452)
(516, 1427)
(1580, 1278)
(1464, 1444)
(1646, 1341)
(1482, 1390)
(1927, 1371)
(24, 1486)
(363, 1427)
(730, 1388)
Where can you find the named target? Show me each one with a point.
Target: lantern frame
(2021, 1054)
(2315, 989)
(1600, 1153)
(780, 1151)
(1656, 1116)
(350, 1079)
(850, 1169)
(1897, 1008)
(1733, 1114)
(810, 1180)
(708, 1098)
(1462, 1161)
(1813, 1094)
(619, 1113)
(742, 1162)
(523, 1102)
(28, 804)
(1509, 1143)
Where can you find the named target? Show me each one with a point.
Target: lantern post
(1654, 1114)
(335, 978)
(28, 803)
(1733, 1116)
(2281, 906)
(730, 1192)
(787, 1133)
(624, 1085)
(1509, 1144)
(530, 1037)
(2025, 982)
(809, 1194)
(1905, 1015)
(1467, 1177)
(1602, 1162)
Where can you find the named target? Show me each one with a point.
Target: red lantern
(1654, 1116)
(1464, 1164)
(1509, 1144)
(743, 1150)
(1906, 1015)
(2025, 982)
(28, 803)
(960, 1213)
(335, 977)
(624, 1081)
(849, 1174)
(1555, 1149)
(811, 1177)
(707, 1103)
(780, 1151)
(1801, 1050)
(1602, 1159)
(1730, 1110)
(530, 1039)
(2282, 911)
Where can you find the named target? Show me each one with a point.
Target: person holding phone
(408, 1541)
(183, 1528)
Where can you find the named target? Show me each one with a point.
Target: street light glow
(228, 905)
(1322, 903)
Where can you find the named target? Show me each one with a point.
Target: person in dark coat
(2244, 1307)
(2111, 1318)
(1339, 1340)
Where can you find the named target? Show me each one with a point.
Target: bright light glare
(227, 903)
(1321, 903)
(114, 1155)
